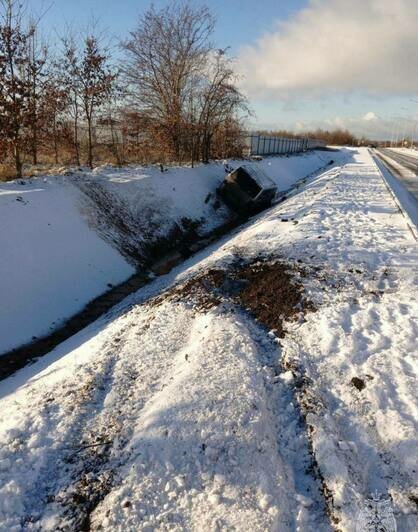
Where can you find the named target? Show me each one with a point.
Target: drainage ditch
(16, 359)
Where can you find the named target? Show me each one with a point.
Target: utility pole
(392, 133)
(413, 130)
(395, 137)
(404, 129)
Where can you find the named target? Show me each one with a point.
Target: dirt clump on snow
(203, 289)
(272, 294)
(358, 383)
(414, 498)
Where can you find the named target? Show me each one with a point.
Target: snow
(202, 420)
(61, 247)
(52, 263)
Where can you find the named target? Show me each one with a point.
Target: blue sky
(238, 21)
(305, 63)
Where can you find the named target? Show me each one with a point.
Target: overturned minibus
(247, 190)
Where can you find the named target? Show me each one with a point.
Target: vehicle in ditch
(247, 190)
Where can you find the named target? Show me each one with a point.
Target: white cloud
(370, 117)
(337, 46)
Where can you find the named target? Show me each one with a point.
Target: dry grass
(7, 173)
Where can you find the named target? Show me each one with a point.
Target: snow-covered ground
(167, 414)
(52, 263)
(65, 239)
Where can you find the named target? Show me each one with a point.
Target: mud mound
(203, 290)
(272, 294)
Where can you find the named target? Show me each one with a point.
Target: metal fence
(261, 145)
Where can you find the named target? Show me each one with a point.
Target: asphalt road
(409, 162)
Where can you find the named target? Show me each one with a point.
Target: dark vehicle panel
(247, 190)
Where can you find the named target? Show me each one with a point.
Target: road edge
(381, 166)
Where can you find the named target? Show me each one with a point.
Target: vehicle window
(266, 194)
(246, 183)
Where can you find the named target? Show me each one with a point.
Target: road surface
(409, 179)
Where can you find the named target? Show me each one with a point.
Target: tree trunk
(34, 145)
(206, 147)
(18, 160)
(115, 146)
(76, 145)
(90, 144)
(55, 141)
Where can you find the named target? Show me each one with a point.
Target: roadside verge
(406, 203)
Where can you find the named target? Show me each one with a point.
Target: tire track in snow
(344, 436)
(92, 424)
(125, 388)
(294, 446)
(285, 441)
(304, 506)
(348, 446)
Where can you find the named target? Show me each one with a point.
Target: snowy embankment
(150, 203)
(51, 262)
(67, 239)
(179, 411)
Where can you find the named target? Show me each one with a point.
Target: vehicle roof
(259, 176)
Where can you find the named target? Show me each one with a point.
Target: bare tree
(69, 67)
(53, 104)
(96, 80)
(163, 56)
(219, 100)
(37, 57)
(111, 118)
(179, 100)
(15, 89)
